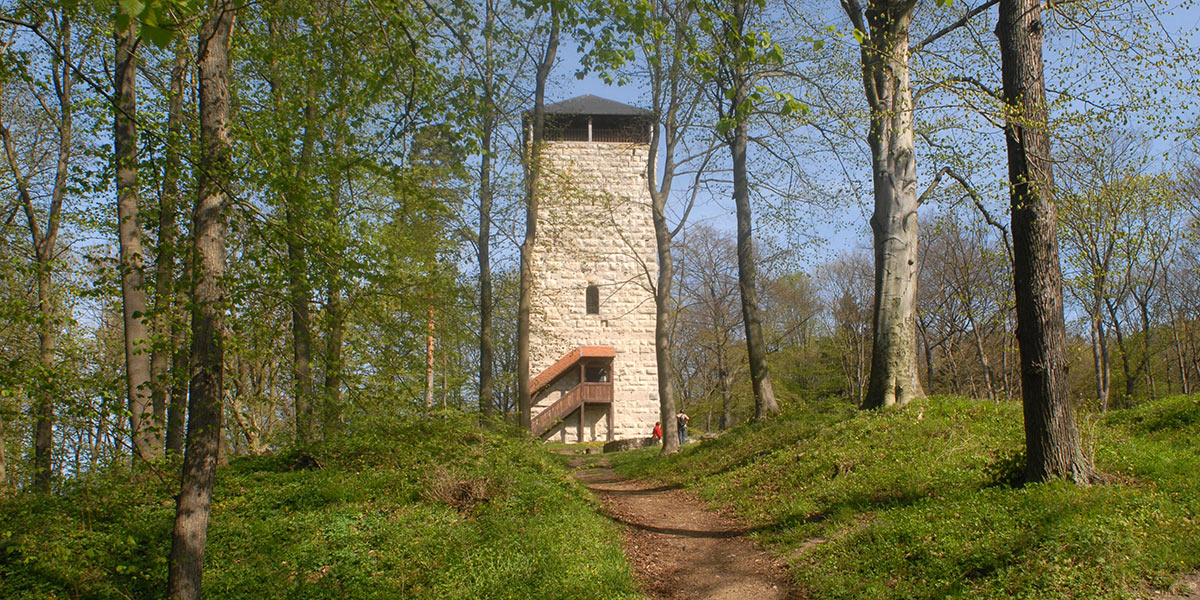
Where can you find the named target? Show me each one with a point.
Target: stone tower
(592, 320)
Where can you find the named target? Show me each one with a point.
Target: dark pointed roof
(588, 104)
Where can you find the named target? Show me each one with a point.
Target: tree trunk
(726, 405)
(983, 360)
(929, 364)
(144, 432)
(667, 93)
(886, 80)
(3, 459)
(181, 372)
(429, 343)
(44, 411)
(662, 289)
(756, 349)
(204, 433)
(1183, 378)
(167, 398)
(299, 290)
(335, 313)
(487, 334)
(1126, 369)
(1051, 439)
(533, 174)
(1101, 359)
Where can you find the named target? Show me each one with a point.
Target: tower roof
(588, 104)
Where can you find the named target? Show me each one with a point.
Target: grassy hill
(917, 503)
(421, 508)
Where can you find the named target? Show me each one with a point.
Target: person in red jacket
(657, 435)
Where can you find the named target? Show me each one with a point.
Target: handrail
(557, 411)
(584, 393)
(563, 365)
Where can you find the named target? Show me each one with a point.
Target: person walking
(657, 434)
(681, 420)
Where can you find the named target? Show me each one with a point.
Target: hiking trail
(678, 548)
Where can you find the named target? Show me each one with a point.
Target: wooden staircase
(579, 397)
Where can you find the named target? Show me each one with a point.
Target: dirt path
(679, 549)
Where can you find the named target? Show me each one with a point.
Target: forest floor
(679, 549)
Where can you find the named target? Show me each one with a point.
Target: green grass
(914, 503)
(411, 509)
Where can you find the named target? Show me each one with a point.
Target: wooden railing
(556, 412)
(584, 393)
(596, 393)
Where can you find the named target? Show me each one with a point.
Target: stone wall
(595, 228)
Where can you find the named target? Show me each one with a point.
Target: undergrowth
(421, 508)
(920, 502)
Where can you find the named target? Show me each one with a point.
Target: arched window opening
(593, 299)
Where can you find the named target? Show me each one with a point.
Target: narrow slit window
(593, 299)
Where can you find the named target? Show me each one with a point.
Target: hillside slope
(420, 508)
(916, 503)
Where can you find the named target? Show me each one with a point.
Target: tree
(169, 363)
(206, 392)
(1051, 440)
(146, 432)
(847, 283)
(490, 57)
(883, 29)
(59, 108)
(537, 129)
(709, 315)
(660, 31)
(735, 89)
(1118, 225)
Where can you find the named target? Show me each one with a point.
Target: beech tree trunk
(335, 312)
(669, 95)
(886, 80)
(194, 502)
(181, 377)
(168, 392)
(737, 139)
(1100, 358)
(1179, 361)
(145, 433)
(533, 174)
(487, 334)
(299, 290)
(1051, 439)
